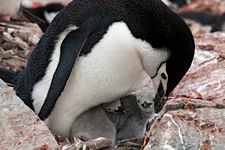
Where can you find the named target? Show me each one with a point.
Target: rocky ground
(20, 128)
(192, 118)
(17, 40)
(186, 124)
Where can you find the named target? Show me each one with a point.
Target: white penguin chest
(111, 70)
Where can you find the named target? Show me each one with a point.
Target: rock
(33, 40)
(20, 128)
(194, 114)
(21, 44)
(19, 38)
(131, 144)
(5, 54)
(211, 6)
(77, 144)
(189, 124)
(98, 143)
(8, 37)
(95, 144)
(206, 77)
(15, 63)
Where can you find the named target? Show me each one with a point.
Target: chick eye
(163, 75)
(138, 101)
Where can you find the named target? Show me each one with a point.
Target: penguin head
(166, 66)
(145, 100)
(171, 47)
(160, 81)
(145, 103)
(171, 71)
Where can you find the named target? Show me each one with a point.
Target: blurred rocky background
(193, 116)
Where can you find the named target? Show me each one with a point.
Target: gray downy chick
(138, 110)
(129, 122)
(92, 124)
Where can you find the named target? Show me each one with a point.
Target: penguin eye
(138, 101)
(163, 75)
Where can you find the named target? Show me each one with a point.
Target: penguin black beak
(159, 98)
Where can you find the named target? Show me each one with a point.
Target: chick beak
(146, 104)
(159, 98)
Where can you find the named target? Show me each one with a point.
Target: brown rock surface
(212, 6)
(20, 128)
(189, 124)
(17, 40)
(194, 115)
(206, 77)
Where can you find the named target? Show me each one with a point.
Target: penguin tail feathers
(7, 76)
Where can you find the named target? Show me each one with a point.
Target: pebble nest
(17, 40)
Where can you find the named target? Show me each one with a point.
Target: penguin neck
(151, 57)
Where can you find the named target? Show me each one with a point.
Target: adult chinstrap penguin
(96, 51)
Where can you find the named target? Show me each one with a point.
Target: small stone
(21, 44)
(23, 35)
(98, 143)
(33, 40)
(8, 37)
(11, 30)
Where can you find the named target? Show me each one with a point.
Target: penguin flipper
(70, 50)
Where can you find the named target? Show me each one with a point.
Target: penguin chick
(130, 123)
(145, 100)
(139, 109)
(92, 124)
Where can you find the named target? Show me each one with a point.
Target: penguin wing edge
(70, 49)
